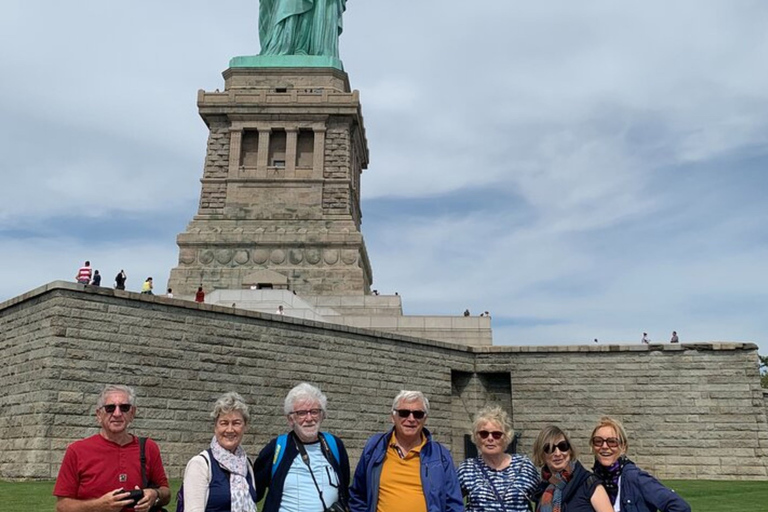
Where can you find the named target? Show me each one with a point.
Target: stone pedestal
(280, 200)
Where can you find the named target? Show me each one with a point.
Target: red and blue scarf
(552, 499)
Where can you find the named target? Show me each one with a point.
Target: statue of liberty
(300, 27)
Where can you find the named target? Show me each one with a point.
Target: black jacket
(578, 491)
(262, 471)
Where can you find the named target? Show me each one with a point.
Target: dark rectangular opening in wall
(277, 147)
(305, 149)
(249, 148)
(470, 392)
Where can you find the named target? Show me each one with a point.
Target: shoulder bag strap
(305, 458)
(480, 464)
(143, 458)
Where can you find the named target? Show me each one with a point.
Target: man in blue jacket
(405, 469)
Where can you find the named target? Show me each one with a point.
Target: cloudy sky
(582, 170)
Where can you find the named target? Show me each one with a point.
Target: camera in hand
(134, 495)
(336, 507)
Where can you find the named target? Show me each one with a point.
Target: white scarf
(237, 465)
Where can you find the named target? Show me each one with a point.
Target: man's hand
(146, 502)
(114, 500)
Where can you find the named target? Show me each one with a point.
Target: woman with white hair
(496, 481)
(220, 479)
(305, 470)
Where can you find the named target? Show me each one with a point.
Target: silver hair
(304, 391)
(230, 402)
(409, 397)
(116, 388)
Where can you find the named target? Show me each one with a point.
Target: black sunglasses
(404, 413)
(124, 408)
(496, 434)
(563, 446)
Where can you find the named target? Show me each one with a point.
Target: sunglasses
(307, 412)
(110, 408)
(563, 446)
(612, 442)
(495, 434)
(404, 413)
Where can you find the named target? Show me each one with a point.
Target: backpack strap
(282, 441)
(329, 442)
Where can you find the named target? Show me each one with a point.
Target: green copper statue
(300, 27)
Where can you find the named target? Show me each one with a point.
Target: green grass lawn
(704, 496)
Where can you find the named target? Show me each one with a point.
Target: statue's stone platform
(280, 200)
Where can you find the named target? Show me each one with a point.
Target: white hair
(304, 391)
(410, 397)
(116, 388)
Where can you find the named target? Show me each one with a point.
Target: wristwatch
(157, 500)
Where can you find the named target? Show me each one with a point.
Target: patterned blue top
(513, 483)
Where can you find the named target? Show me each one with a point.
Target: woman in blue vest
(220, 479)
(629, 487)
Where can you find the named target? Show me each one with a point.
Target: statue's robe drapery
(300, 27)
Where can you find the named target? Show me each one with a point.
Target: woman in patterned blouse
(496, 481)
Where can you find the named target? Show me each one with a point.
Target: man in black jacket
(304, 470)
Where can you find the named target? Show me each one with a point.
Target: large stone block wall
(180, 356)
(691, 411)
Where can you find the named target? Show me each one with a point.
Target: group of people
(307, 470)
(86, 275)
(645, 340)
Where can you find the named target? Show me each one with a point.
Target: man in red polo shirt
(98, 472)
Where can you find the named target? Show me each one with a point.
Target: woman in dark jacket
(567, 486)
(628, 487)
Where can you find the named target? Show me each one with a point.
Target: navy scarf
(609, 476)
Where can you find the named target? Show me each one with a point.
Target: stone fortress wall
(692, 411)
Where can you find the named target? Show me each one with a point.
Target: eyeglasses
(563, 446)
(404, 413)
(110, 408)
(307, 412)
(496, 434)
(612, 442)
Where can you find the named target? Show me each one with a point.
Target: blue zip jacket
(438, 476)
(641, 492)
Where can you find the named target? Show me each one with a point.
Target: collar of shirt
(399, 451)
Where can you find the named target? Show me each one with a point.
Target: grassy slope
(704, 496)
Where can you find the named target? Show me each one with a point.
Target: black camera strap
(305, 458)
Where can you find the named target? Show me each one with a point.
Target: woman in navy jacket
(630, 488)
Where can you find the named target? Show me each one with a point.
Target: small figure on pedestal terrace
(200, 295)
(84, 274)
(674, 338)
(120, 280)
(300, 27)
